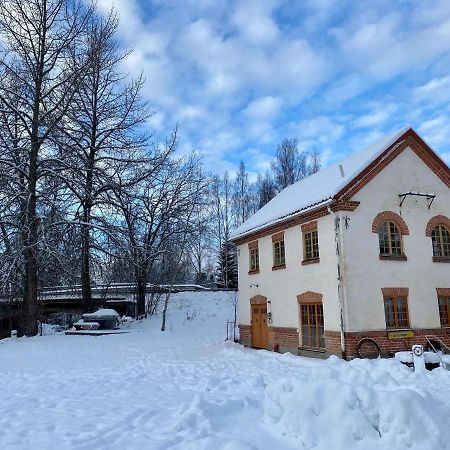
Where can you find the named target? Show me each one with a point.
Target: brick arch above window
(390, 216)
(258, 300)
(435, 221)
(309, 297)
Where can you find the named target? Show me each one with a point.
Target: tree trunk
(30, 244)
(166, 304)
(140, 294)
(86, 292)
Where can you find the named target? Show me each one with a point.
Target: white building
(359, 249)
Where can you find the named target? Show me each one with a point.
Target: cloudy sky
(238, 76)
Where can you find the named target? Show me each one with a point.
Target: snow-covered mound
(330, 408)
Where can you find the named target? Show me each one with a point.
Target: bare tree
(37, 38)
(154, 212)
(242, 196)
(290, 165)
(102, 136)
(265, 189)
(315, 158)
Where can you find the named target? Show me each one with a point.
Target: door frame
(259, 300)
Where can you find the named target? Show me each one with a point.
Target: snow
(104, 312)
(187, 389)
(317, 189)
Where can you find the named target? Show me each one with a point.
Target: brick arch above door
(258, 300)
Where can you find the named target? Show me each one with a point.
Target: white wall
(366, 274)
(281, 287)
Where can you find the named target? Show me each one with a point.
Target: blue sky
(238, 76)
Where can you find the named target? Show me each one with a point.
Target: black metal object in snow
(429, 197)
(231, 330)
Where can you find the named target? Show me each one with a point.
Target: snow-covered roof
(317, 189)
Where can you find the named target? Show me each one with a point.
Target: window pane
(445, 233)
(389, 312)
(312, 325)
(436, 241)
(444, 311)
(383, 237)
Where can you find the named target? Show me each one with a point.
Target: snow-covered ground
(188, 389)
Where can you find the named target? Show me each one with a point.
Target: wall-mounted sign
(400, 334)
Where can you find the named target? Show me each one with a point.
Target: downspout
(339, 243)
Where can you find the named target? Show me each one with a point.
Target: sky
(239, 76)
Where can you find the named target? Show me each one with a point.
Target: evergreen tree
(227, 272)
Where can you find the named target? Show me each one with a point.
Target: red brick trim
(306, 262)
(245, 333)
(393, 258)
(278, 236)
(332, 340)
(253, 272)
(310, 226)
(309, 297)
(443, 292)
(345, 205)
(441, 259)
(395, 291)
(258, 300)
(409, 139)
(284, 337)
(392, 217)
(434, 222)
(252, 245)
(279, 267)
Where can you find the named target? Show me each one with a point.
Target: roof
(317, 189)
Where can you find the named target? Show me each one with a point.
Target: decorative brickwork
(307, 262)
(395, 291)
(390, 216)
(252, 245)
(285, 338)
(409, 139)
(333, 345)
(393, 258)
(278, 237)
(309, 297)
(280, 338)
(443, 292)
(345, 205)
(434, 222)
(310, 226)
(245, 334)
(258, 300)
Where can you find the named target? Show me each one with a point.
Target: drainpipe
(339, 243)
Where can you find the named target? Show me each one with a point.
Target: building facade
(358, 250)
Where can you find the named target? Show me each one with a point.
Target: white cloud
(240, 75)
(266, 107)
(436, 90)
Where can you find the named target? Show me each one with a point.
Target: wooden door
(259, 326)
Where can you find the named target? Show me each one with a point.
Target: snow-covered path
(188, 389)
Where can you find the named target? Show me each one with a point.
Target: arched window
(390, 239)
(440, 238)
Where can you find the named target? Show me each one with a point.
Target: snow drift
(357, 407)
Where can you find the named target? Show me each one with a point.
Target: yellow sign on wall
(400, 334)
